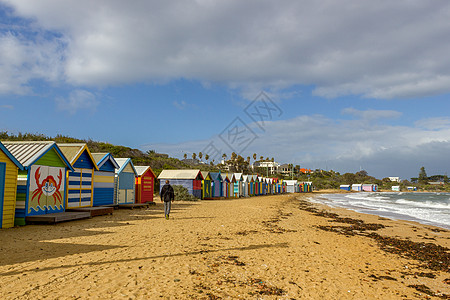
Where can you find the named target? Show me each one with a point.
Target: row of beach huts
(44, 179)
(359, 187)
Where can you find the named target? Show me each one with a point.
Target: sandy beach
(271, 247)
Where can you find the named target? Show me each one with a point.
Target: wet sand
(271, 247)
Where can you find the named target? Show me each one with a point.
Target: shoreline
(392, 216)
(258, 247)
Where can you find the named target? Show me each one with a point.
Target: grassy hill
(156, 161)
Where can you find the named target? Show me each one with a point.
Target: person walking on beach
(167, 195)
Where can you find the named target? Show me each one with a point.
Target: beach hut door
(46, 194)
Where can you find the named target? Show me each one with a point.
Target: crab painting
(48, 187)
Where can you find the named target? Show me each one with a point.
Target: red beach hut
(145, 180)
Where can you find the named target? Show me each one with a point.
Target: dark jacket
(167, 193)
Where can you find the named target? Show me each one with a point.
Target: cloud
(372, 114)
(344, 145)
(77, 99)
(7, 106)
(377, 49)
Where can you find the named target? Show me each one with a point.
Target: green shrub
(182, 194)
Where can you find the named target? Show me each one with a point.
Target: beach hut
(369, 187)
(190, 179)
(245, 181)
(291, 186)
(345, 187)
(225, 185)
(216, 185)
(104, 179)
(145, 181)
(9, 167)
(124, 185)
(41, 184)
(80, 181)
(396, 188)
(206, 185)
(357, 187)
(237, 185)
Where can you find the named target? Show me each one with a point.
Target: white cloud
(380, 49)
(345, 146)
(78, 99)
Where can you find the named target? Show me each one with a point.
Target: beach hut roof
(101, 158)
(290, 182)
(28, 152)
(122, 162)
(215, 176)
(10, 156)
(345, 185)
(238, 176)
(141, 170)
(74, 151)
(180, 174)
(204, 174)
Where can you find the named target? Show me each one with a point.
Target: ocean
(426, 208)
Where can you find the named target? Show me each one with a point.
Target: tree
(200, 155)
(185, 156)
(206, 157)
(261, 158)
(233, 156)
(224, 156)
(254, 156)
(194, 155)
(423, 178)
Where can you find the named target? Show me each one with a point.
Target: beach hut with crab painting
(125, 182)
(145, 182)
(41, 183)
(104, 179)
(9, 167)
(80, 181)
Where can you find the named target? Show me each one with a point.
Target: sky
(335, 85)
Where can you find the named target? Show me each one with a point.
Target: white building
(271, 166)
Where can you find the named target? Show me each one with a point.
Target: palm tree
(194, 155)
(185, 156)
(206, 157)
(254, 156)
(200, 155)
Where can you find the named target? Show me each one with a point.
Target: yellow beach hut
(9, 167)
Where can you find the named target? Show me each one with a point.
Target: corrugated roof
(28, 152)
(98, 156)
(179, 174)
(141, 170)
(100, 159)
(10, 156)
(73, 152)
(122, 162)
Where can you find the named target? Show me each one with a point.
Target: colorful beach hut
(145, 182)
(124, 191)
(216, 185)
(104, 179)
(206, 185)
(41, 184)
(357, 187)
(225, 185)
(9, 167)
(345, 187)
(237, 185)
(80, 181)
(190, 179)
